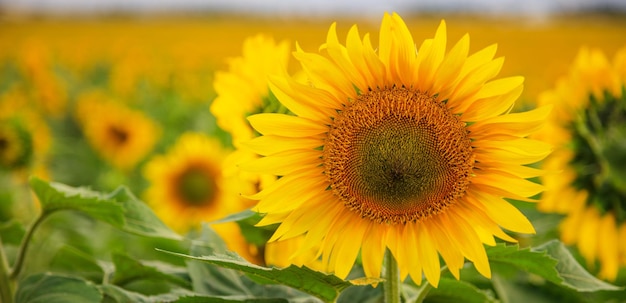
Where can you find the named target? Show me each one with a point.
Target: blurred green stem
(6, 285)
(392, 283)
(19, 261)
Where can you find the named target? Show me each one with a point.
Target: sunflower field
(241, 158)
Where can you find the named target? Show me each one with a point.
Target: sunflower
(397, 148)
(589, 181)
(261, 57)
(121, 135)
(187, 187)
(16, 145)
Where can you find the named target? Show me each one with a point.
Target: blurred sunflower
(187, 187)
(16, 145)
(261, 57)
(25, 132)
(122, 136)
(399, 148)
(588, 167)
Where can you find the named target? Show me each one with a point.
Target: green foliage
(119, 208)
(323, 286)
(51, 288)
(212, 273)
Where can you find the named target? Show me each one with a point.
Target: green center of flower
(398, 156)
(599, 143)
(196, 186)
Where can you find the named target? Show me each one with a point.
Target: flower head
(400, 148)
(121, 135)
(188, 187)
(587, 180)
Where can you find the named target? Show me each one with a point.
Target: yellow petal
(284, 163)
(272, 144)
(285, 125)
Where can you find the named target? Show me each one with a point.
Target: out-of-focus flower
(243, 90)
(586, 177)
(121, 135)
(187, 187)
(400, 148)
(16, 145)
(17, 115)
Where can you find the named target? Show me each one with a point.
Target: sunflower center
(397, 156)
(118, 135)
(196, 187)
(599, 142)
(4, 144)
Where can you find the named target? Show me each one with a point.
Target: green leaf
(452, 290)
(119, 208)
(55, 196)
(128, 270)
(208, 278)
(12, 232)
(573, 274)
(202, 299)
(49, 288)
(72, 261)
(539, 263)
(245, 214)
(139, 218)
(120, 295)
(323, 286)
(551, 261)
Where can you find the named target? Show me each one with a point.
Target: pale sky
(312, 7)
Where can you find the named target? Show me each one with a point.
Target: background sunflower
(585, 179)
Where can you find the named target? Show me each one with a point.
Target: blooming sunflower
(121, 135)
(187, 187)
(588, 182)
(400, 148)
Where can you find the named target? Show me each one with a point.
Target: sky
(312, 7)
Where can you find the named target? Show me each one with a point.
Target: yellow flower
(16, 145)
(187, 187)
(17, 117)
(121, 135)
(243, 89)
(400, 148)
(587, 180)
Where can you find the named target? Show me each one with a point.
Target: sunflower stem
(21, 255)
(392, 282)
(6, 285)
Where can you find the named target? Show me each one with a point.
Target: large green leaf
(119, 295)
(527, 260)
(118, 208)
(323, 286)
(452, 290)
(71, 260)
(551, 261)
(49, 288)
(129, 270)
(572, 273)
